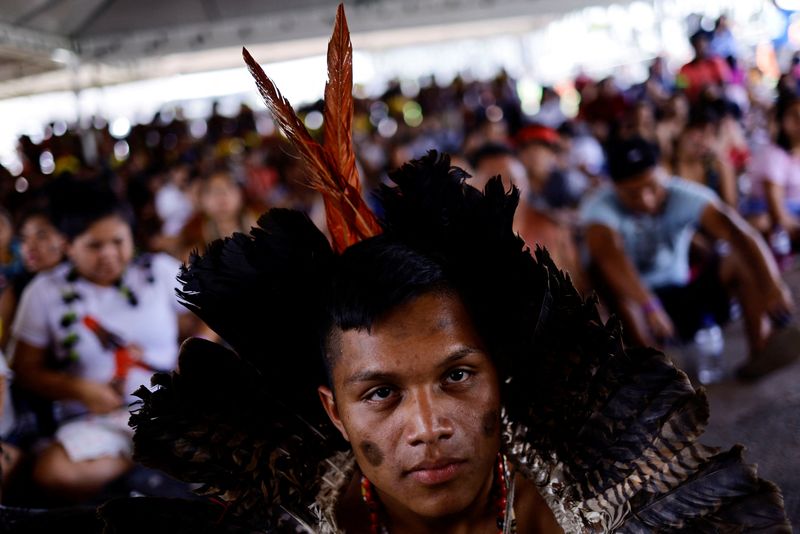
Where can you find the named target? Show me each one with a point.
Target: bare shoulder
(532, 513)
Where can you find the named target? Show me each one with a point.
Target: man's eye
(379, 394)
(458, 375)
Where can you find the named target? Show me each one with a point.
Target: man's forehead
(430, 328)
(402, 333)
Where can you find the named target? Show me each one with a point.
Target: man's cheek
(372, 452)
(490, 423)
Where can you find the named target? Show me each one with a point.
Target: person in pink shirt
(775, 173)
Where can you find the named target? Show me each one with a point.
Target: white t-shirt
(152, 323)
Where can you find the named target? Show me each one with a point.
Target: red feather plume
(331, 166)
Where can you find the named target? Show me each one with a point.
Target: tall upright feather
(338, 119)
(332, 166)
(338, 116)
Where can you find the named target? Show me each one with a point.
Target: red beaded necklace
(499, 493)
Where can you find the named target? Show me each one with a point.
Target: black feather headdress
(608, 435)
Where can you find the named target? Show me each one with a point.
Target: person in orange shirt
(705, 72)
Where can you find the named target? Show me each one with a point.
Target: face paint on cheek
(490, 423)
(372, 453)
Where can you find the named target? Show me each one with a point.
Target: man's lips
(435, 472)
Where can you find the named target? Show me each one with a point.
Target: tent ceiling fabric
(40, 35)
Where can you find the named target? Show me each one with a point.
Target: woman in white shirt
(90, 332)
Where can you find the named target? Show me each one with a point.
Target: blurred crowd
(676, 200)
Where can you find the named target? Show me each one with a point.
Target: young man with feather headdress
(423, 373)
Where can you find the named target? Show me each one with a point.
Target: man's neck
(532, 514)
(478, 517)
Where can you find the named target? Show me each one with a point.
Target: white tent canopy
(85, 43)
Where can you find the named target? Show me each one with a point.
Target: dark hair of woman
(784, 103)
(77, 205)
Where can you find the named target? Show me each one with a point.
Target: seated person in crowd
(538, 149)
(221, 211)
(705, 73)
(9, 454)
(775, 171)
(10, 261)
(42, 248)
(87, 334)
(582, 158)
(700, 156)
(639, 232)
(536, 227)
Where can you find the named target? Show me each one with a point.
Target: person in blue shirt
(638, 233)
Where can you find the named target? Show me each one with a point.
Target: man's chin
(436, 510)
(449, 500)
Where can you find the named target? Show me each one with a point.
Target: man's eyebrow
(459, 354)
(379, 376)
(371, 376)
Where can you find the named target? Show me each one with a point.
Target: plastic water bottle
(708, 346)
(781, 245)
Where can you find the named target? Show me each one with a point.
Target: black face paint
(489, 423)
(372, 453)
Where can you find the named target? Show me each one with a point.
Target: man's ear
(329, 403)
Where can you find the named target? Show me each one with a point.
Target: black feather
(623, 424)
(263, 294)
(214, 422)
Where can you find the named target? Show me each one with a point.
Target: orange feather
(331, 166)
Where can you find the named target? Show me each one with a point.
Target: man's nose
(427, 419)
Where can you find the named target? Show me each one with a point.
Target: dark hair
(77, 205)
(372, 278)
(628, 158)
(785, 102)
(699, 35)
(33, 212)
(568, 129)
(702, 116)
(218, 170)
(489, 150)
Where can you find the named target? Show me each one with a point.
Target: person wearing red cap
(538, 148)
(534, 225)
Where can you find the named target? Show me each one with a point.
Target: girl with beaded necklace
(87, 333)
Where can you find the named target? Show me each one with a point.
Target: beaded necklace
(70, 295)
(499, 492)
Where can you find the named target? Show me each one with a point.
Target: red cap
(536, 133)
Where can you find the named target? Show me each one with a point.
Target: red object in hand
(107, 339)
(123, 358)
(124, 361)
